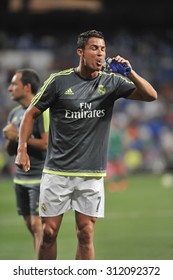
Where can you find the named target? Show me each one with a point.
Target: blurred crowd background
(42, 34)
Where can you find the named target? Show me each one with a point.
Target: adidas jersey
(80, 117)
(37, 157)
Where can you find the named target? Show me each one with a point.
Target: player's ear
(28, 87)
(79, 52)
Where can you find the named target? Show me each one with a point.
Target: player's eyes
(94, 48)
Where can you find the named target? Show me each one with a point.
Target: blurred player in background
(23, 87)
(81, 101)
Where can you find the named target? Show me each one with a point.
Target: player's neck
(86, 73)
(25, 102)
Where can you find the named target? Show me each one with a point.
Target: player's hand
(121, 59)
(22, 160)
(10, 132)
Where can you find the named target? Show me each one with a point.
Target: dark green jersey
(80, 116)
(37, 157)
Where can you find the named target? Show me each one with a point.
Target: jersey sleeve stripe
(40, 93)
(46, 120)
(47, 82)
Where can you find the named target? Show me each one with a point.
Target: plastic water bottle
(118, 67)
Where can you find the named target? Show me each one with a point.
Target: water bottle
(118, 67)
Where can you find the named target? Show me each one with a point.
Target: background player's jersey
(80, 116)
(37, 157)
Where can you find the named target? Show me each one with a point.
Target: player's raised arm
(144, 90)
(22, 158)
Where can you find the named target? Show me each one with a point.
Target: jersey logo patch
(69, 91)
(43, 207)
(101, 89)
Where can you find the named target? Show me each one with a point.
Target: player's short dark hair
(30, 76)
(83, 37)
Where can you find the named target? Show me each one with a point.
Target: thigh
(22, 200)
(83, 220)
(55, 195)
(27, 200)
(88, 197)
(34, 193)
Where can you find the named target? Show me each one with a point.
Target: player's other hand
(10, 132)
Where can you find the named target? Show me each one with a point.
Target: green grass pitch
(138, 224)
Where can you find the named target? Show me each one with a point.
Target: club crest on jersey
(101, 89)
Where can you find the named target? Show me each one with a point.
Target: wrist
(21, 147)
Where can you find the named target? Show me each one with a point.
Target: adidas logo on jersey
(69, 91)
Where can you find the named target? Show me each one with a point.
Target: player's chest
(17, 118)
(81, 96)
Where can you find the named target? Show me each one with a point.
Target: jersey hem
(82, 174)
(27, 182)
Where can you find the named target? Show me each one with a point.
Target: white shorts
(58, 194)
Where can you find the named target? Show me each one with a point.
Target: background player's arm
(11, 147)
(39, 143)
(25, 131)
(11, 134)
